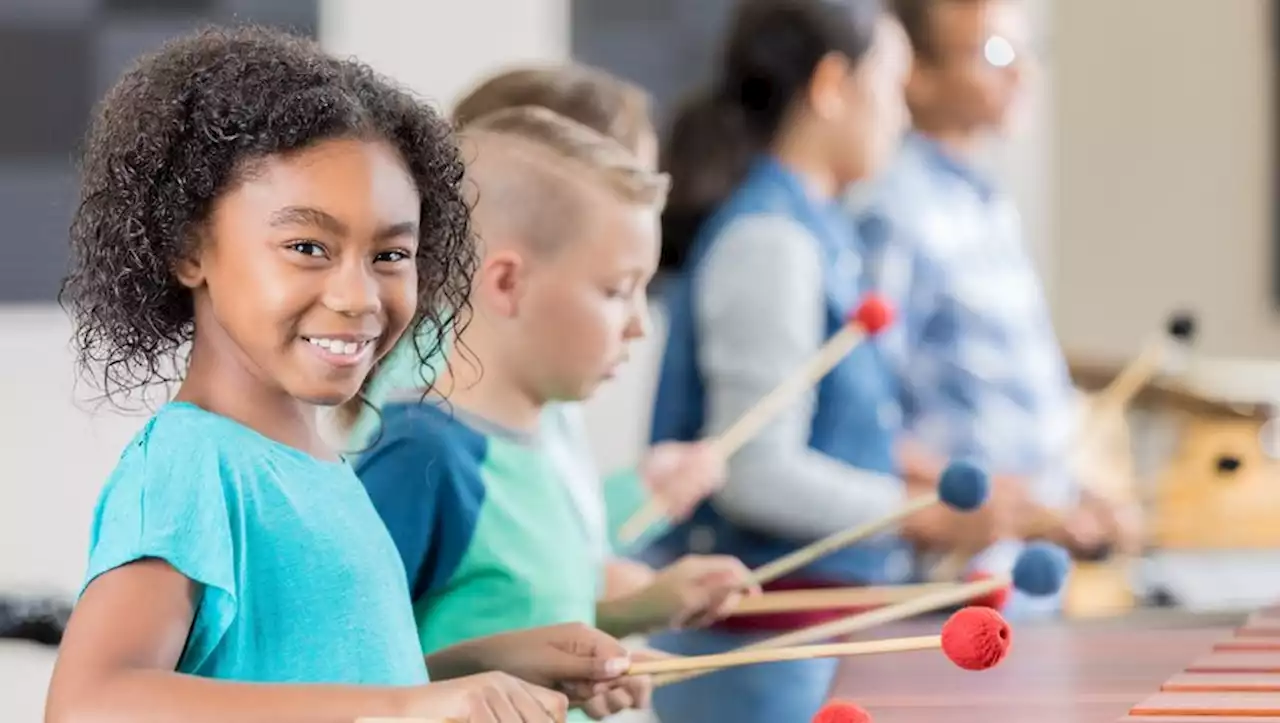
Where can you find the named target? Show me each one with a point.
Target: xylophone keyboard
(1236, 681)
(1078, 671)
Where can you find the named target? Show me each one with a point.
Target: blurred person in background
(980, 370)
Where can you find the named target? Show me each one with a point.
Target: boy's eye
(617, 291)
(308, 248)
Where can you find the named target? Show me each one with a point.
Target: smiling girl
(276, 219)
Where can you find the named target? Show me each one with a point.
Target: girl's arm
(116, 665)
(761, 316)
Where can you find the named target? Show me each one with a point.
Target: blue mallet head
(1041, 569)
(963, 486)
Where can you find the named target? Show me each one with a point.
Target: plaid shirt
(981, 371)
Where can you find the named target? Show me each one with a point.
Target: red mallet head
(841, 711)
(994, 599)
(873, 314)
(976, 638)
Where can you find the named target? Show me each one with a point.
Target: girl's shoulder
(183, 448)
(184, 433)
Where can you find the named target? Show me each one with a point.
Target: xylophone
(1148, 667)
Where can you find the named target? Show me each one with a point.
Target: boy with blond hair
(471, 488)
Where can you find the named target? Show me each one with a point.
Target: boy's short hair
(599, 100)
(541, 132)
(916, 18)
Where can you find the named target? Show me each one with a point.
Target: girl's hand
(680, 475)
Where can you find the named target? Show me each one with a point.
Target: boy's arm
(624, 581)
(622, 616)
(625, 494)
(623, 577)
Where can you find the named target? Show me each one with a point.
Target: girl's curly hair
(181, 127)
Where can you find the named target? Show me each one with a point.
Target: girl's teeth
(337, 346)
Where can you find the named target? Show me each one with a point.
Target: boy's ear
(500, 283)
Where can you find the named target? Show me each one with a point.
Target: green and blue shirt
(494, 532)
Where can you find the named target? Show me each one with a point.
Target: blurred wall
(441, 48)
(1164, 197)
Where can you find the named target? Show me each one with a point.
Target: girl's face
(875, 111)
(306, 275)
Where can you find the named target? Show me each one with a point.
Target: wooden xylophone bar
(1238, 679)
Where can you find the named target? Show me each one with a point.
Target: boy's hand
(694, 591)
(680, 475)
(488, 698)
(574, 658)
(632, 692)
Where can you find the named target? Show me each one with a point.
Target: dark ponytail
(773, 47)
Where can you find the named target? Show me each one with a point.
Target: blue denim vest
(850, 421)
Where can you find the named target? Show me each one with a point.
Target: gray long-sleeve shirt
(760, 314)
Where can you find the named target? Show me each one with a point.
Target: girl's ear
(188, 269)
(828, 85)
(189, 273)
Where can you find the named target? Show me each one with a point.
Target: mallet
(1039, 571)
(869, 319)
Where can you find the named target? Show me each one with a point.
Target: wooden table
(1059, 672)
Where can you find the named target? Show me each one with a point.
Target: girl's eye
(392, 256)
(308, 248)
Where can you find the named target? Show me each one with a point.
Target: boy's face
(980, 65)
(583, 302)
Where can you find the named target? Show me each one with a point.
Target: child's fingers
(552, 705)
(723, 571)
(614, 700)
(619, 699)
(581, 691)
(719, 607)
(502, 705)
(641, 688)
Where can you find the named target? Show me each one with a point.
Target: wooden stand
(1221, 491)
(1097, 590)
(1103, 589)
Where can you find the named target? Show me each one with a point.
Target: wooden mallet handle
(951, 595)
(871, 316)
(785, 601)
(774, 655)
(962, 487)
(795, 560)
